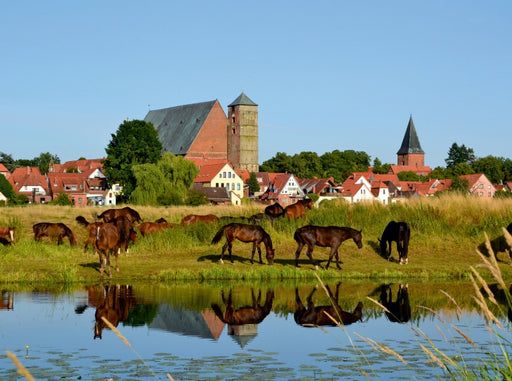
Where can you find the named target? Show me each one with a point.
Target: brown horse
(312, 316)
(50, 229)
(245, 233)
(7, 235)
(114, 306)
(120, 222)
(245, 315)
(107, 241)
(195, 218)
(298, 209)
(154, 227)
(399, 232)
(324, 236)
(127, 212)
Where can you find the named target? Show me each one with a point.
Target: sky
(326, 75)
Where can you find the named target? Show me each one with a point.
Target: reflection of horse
(154, 227)
(195, 218)
(298, 209)
(7, 232)
(245, 315)
(7, 301)
(324, 236)
(400, 233)
(399, 311)
(114, 305)
(51, 229)
(314, 316)
(245, 233)
(127, 212)
(107, 241)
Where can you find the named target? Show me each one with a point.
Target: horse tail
(82, 221)
(219, 235)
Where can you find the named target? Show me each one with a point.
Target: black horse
(398, 311)
(400, 232)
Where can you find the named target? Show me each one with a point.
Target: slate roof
(411, 143)
(242, 100)
(178, 126)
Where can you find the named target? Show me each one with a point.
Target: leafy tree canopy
(164, 183)
(458, 155)
(253, 184)
(135, 142)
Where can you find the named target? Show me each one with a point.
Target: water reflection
(312, 315)
(7, 302)
(399, 310)
(243, 321)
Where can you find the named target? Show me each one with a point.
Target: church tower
(243, 134)
(410, 153)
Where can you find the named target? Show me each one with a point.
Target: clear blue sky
(326, 75)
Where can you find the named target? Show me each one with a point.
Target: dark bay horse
(312, 315)
(107, 242)
(298, 209)
(91, 229)
(131, 214)
(245, 233)
(399, 232)
(244, 315)
(398, 311)
(324, 236)
(7, 234)
(154, 227)
(53, 229)
(195, 218)
(274, 210)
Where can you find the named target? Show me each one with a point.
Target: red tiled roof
(205, 161)
(208, 172)
(420, 170)
(27, 176)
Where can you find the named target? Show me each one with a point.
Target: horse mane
(82, 221)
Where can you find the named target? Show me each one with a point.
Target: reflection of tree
(323, 315)
(398, 311)
(141, 314)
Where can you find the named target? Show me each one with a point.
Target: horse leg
(222, 253)
(253, 251)
(388, 246)
(301, 245)
(101, 262)
(337, 258)
(117, 257)
(259, 252)
(230, 248)
(309, 253)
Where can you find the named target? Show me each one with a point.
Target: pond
(233, 332)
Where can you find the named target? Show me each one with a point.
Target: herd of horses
(114, 230)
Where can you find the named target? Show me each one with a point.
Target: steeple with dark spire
(411, 153)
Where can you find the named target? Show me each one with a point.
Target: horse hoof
(221, 262)
(316, 267)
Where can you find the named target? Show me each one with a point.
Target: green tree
(460, 185)
(196, 198)
(135, 142)
(492, 167)
(164, 183)
(459, 154)
(7, 191)
(8, 161)
(341, 164)
(437, 173)
(62, 199)
(408, 176)
(43, 161)
(380, 168)
(459, 169)
(253, 184)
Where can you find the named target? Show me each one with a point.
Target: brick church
(201, 131)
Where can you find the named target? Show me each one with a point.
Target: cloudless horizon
(327, 75)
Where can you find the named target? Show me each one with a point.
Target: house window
(224, 174)
(238, 186)
(481, 186)
(79, 200)
(489, 194)
(216, 185)
(233, 186)
(227, 186)
(229, 175)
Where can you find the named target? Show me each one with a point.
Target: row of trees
(461, 160)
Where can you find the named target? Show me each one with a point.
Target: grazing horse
(195, 218)
(131, 214)
(114, 305)
(6, 232)
(50, 229)
(298, 209)
(399, 232)
(324, 236)
(154, 227)
(312, 316)
(245, 233)
(245, 315)
(274, 210)
(398, 311)
(107, 241)
(128, 234)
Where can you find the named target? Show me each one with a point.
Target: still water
(234, 332)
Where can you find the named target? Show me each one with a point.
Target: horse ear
(360, 231)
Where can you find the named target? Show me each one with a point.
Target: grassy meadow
(445, 234)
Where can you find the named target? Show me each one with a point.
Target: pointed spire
(411, 143)
(242, 100)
